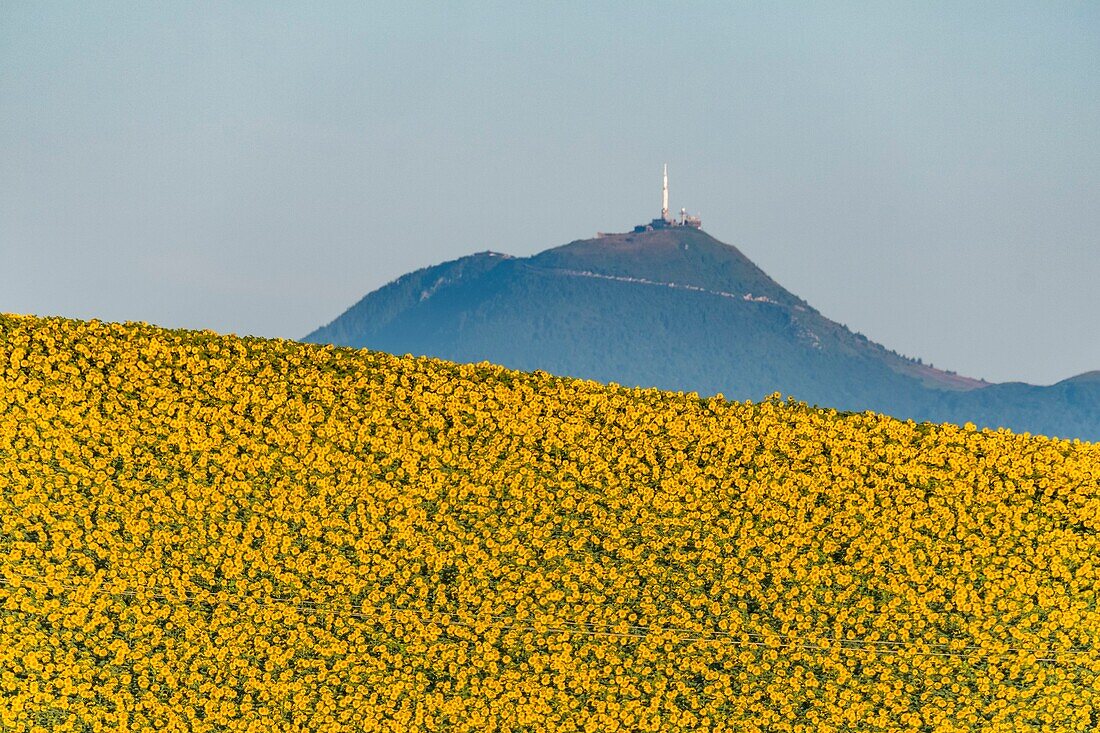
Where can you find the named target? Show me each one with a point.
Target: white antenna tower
(664, 195)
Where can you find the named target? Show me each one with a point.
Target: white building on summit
(664, 194)
(665, 220)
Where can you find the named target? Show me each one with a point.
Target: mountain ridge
(677, 309)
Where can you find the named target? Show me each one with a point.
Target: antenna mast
(664, 195)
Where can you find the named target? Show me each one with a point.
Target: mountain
(675, 308)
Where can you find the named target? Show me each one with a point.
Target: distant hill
(677, 309)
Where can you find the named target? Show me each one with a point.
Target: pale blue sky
(927, 173)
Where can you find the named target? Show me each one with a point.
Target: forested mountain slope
(677, 309)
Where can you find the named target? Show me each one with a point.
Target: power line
(858, 611)
(444, 618)
(649, 629)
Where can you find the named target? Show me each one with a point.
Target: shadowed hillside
(677, 309)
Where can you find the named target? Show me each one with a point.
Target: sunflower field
(209, 533)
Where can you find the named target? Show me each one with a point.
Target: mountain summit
(675, 308)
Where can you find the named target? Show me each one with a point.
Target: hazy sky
(926, 173)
